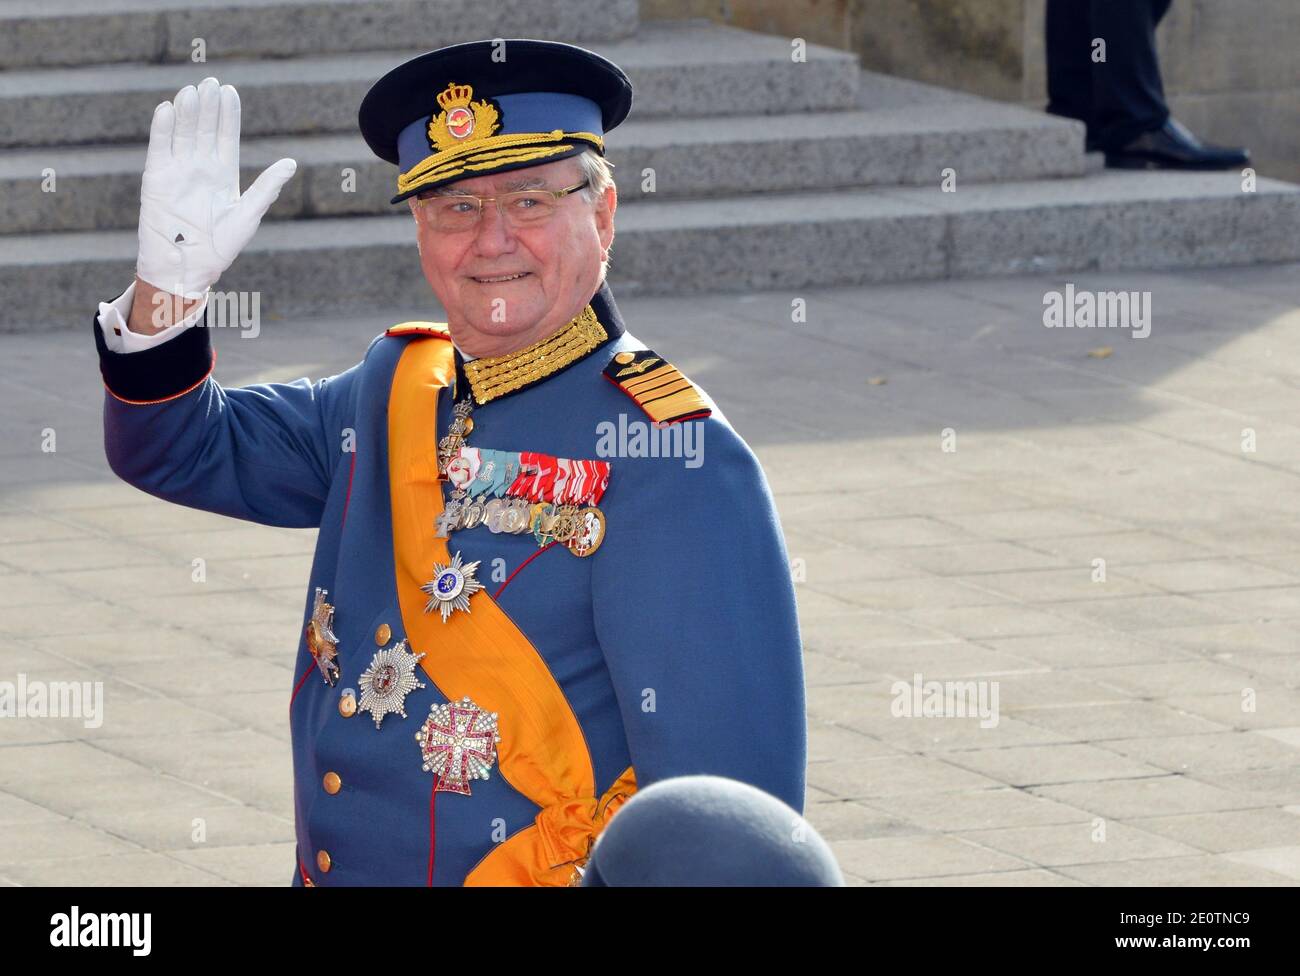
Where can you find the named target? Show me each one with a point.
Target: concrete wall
(1231, 67)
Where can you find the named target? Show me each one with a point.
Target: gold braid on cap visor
(490, 153)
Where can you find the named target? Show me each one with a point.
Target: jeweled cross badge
(458, 743)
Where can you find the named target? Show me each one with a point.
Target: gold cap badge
(462, 121)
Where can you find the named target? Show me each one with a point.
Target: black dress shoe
(1173, 147)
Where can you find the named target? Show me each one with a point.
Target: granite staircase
(768, 172)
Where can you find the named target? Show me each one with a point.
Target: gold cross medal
(461, 425)
(388, 680)
(451, 586)
(321, 640)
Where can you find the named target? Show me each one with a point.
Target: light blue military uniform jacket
(676, 643)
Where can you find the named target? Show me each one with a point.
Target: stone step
(678, 69)
(1110, 220)
(58, 33)
(98, 188)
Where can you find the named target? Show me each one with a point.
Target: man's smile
(499, 279)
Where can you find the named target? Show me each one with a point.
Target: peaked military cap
(490, 106)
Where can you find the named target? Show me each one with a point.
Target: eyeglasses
(450, 213)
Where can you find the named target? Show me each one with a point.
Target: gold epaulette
(658, 388)
(425, 328)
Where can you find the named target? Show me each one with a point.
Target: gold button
(332, 783)
(323, 860)
(348, 706)
(624, 358)
(382, 634)
(469, 424)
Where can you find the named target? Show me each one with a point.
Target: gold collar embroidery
(495, 376)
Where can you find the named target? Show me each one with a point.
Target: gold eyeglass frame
(482, 201)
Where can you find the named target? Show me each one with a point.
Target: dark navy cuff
(163, 372)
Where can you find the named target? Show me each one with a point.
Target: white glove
(193, 222)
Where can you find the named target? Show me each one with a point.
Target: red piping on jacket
(521, 566)
(301, 681)
(352, 469)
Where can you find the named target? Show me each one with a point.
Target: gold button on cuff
(624, 358)
(382, 634)
(323, 860)
(332, 783)
(347, 705)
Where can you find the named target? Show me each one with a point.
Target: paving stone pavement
(949, 473)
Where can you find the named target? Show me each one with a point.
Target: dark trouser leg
(1069, 68)
(1128, 97)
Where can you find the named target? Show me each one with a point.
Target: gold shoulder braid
(495, 376)
(658, 388)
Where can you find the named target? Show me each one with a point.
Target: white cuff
(112, 322)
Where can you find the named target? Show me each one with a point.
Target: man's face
(558, 262)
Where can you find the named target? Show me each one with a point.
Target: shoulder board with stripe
(658, 388)
(419, 328)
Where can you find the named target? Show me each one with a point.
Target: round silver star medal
(451, 587)
(492, 513)
(458, 743)
(513, 516)
(388, 680)
(473, 513)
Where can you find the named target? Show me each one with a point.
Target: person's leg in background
(1121, 100)
(1069, 61)
(1128, 97)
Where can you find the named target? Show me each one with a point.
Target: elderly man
(548, 570)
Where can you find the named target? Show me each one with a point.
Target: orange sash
(483, 654)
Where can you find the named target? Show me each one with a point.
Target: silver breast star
(451, 587)
(388, 680)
